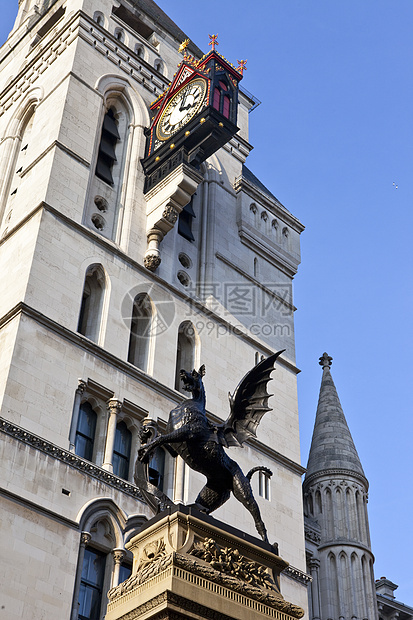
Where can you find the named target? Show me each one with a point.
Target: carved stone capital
(85, 538)
(118, 555)
(114, 406)
(152, 261)
(81, 387)
(314, 564)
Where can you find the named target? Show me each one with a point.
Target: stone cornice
(286, 263)
(20, 434)
(327, 474)
(134, 372)
(394, 605)
(345, 542)
(271, 203)
(297, 575)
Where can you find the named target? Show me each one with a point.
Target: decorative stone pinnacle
(325, 361)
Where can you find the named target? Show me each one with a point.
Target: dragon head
(192, 381)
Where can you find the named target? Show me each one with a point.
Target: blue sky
(333, 138)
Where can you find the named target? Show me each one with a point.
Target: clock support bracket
(164, 203)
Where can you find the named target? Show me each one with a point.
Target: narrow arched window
(158, 66)
(85, 432)
(156, 468)
(139, 51)
(91, 309)
(140, 331)
(121, 451)
(185, 221)
(185, 354)
(107, 148)
(264, 484)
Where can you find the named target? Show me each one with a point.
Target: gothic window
(121, 451)
(185, 221)
(185, 355)
(140, 331)
(85, 432)
(107, 148)
(264, 485)
(98, 17)
(222, 99)
(158, 66)
(139, 51)
(157, 468)
(91, 310)
(120, 34)
(91, 585)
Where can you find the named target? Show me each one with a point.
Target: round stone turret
(337, 530)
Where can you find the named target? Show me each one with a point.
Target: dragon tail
(259, 468)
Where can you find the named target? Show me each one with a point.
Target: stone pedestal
(188, 565)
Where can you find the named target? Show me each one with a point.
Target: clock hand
(181, 107)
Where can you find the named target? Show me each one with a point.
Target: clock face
(181, 108)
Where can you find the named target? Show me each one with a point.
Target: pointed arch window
(91, 309)
(222, 99)
(122, 451)
(185, 354)
(140, 331)
(85, 432)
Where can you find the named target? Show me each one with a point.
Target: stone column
(179, 480)
(118, 555)
(85, 539)
(75, 414)
(114, 408)
(315, 589)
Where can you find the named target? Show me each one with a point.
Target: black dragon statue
(201, 444)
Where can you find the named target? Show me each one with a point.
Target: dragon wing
(248, 404)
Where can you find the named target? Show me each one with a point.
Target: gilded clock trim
(164, 130)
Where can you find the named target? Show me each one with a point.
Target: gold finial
(183, 46)
(242, 66)
(213, 40)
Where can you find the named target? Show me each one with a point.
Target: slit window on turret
(107, 148)
(185, 221)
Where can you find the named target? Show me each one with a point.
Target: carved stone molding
(297, 575)
(85, 538)
(232, 562)
(118, 555)
(71, 459)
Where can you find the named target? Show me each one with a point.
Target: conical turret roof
(332, 445)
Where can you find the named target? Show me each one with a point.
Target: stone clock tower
(118, 270)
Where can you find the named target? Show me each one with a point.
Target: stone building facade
(90, 339)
